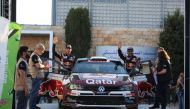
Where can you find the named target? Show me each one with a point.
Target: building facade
(120, 13)
(5, 8)
(132, 22)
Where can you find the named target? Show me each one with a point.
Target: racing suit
(130, 61)
(68, 61)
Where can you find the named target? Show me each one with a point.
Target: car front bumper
(78, 98)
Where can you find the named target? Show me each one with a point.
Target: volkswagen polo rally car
(99, 82)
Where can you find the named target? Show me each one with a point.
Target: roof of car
(81, 59)
(97, 57)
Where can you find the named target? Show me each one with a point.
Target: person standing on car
(21, 85)
(36, 69)
(67, 58)
(180, 90)
(55, 54)
(162, 71)
(130, 60)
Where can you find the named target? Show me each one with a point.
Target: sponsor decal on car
(101, 89)
(99, 75)
(98, 81)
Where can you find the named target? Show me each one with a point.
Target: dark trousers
(162, 94)
(34, 97)
(180, 96)
(22, 100)
(156, 97)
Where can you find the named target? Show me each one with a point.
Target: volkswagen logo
(101, 89)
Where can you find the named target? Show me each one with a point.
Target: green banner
(6, 97)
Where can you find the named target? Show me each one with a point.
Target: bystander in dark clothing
(163, 71)
(159, 63)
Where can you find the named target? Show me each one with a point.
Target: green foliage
(172, 39)
(77, 31)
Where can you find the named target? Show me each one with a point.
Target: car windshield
(99, 67)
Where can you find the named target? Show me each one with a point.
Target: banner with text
(9, 44)
(4, 30)
(144, 53)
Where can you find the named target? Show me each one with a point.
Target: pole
(13, 10)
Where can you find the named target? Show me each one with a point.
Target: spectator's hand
(26, 92)
(45, 63)
(119, 45)
(61, 60)
(153, 69)
(47, 66)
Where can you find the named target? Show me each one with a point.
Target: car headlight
(127, 87)
(75, 87)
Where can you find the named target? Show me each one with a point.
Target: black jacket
(164, 78)
(127, 59)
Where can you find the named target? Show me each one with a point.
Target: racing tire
(49, 99)
(60, 103)
(66, 107)
(134, 107)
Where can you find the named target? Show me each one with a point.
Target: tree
(77, 31)
(172, 39)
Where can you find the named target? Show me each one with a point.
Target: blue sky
(34, 12)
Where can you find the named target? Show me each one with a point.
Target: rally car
(99, 82)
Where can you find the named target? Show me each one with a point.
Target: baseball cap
(68, 46)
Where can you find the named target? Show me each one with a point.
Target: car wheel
(134, 107)
(60, 103)
(66, 107)
(49, 99)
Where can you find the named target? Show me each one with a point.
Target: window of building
(121, 13)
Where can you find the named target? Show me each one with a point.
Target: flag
(9, 43)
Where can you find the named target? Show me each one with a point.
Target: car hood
(99, 79)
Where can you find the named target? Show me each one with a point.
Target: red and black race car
(93, 82)
(99, 82)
